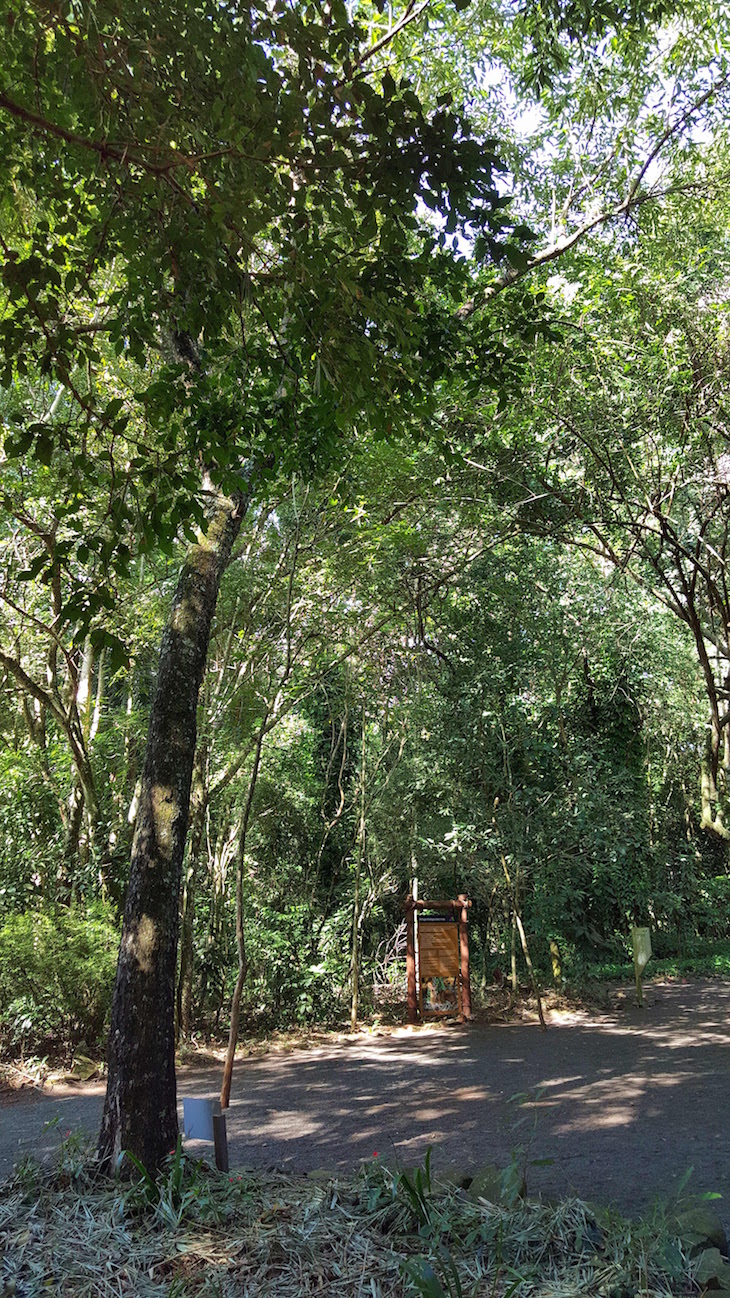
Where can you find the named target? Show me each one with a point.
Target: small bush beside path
(383, 1234)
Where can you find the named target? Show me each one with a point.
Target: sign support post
(464, 957)
(411, 964)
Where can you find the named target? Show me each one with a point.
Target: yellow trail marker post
(641, 940)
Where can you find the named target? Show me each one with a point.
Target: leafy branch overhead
(236, 278)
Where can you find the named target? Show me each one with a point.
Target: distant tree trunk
(240, 932)
(82, 812)
(355, 953)
(519, 926)
(140, 1112)
(35, 723)
(74, 820)
(199, 807)
(556, 962)
(713, 780)
(531, 970)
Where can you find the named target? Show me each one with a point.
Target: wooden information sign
(439, 984)
(437, 958)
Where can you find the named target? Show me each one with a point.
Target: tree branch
(631, 200)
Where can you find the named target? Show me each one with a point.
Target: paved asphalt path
(626, 1102)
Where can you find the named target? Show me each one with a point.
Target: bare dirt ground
(626, 1101)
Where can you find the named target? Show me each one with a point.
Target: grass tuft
(197, 1232)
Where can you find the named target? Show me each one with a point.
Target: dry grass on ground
(197, 1232)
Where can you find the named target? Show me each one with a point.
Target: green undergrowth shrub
(192, 1231)
(56, 976)
(709, 959)
(31, 835)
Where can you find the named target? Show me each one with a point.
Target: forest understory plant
(197, 1231)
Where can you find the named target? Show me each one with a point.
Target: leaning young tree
(223, 203)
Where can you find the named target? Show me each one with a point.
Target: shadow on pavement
(622, 1103)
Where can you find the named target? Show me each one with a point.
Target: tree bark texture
(140, 1112)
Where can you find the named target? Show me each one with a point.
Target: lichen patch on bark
(165, 808)
(141, 943)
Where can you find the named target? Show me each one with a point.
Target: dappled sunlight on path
(623, 1103)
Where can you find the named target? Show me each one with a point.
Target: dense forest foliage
(438, 298)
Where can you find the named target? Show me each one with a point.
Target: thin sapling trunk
(240, 932)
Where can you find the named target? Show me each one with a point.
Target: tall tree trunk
(140, 1112)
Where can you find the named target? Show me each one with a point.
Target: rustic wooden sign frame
(459, 909)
